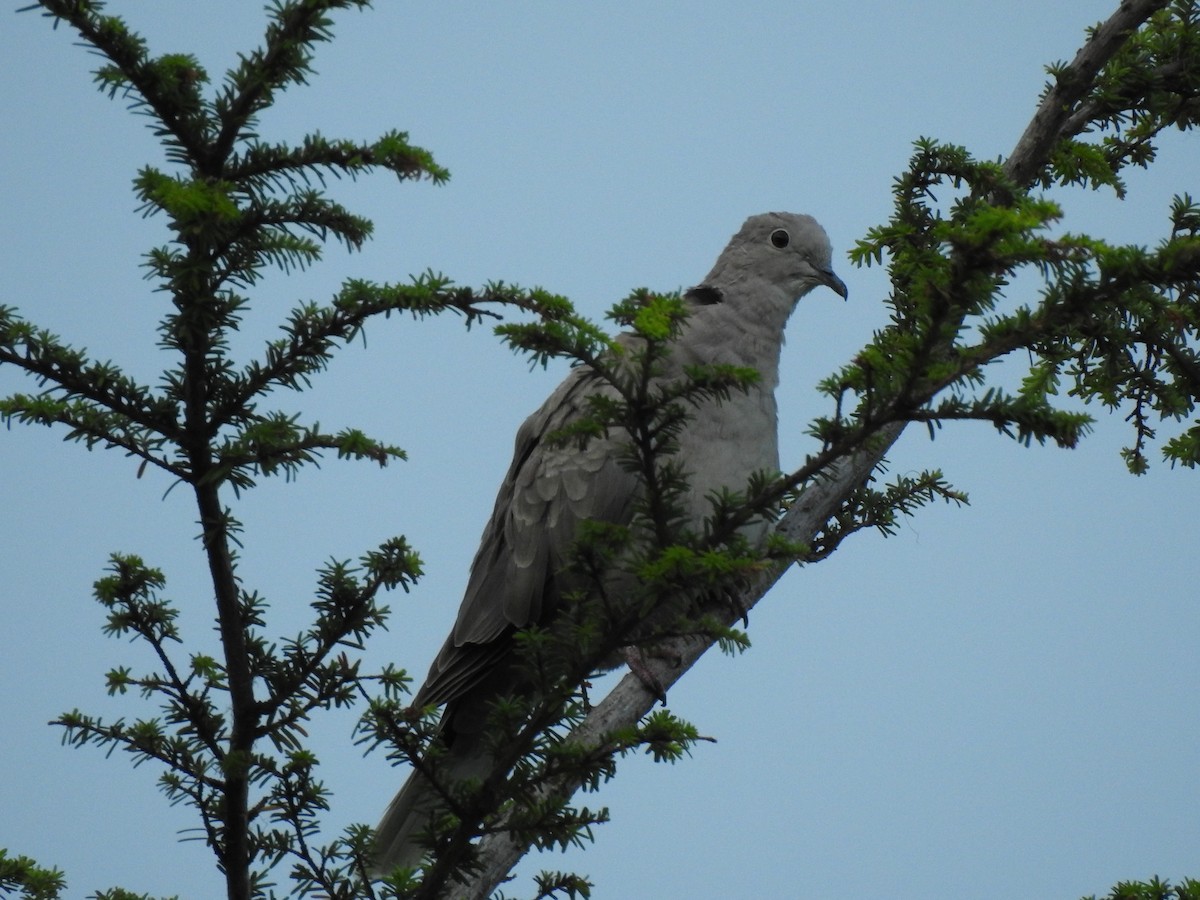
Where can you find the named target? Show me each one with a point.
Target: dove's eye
(780, 238)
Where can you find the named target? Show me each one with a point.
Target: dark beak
(831, 280)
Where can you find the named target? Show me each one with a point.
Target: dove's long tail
(418, 803)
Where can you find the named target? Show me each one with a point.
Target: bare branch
(1054, 120)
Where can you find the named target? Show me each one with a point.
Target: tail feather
(409, 813)
(418, 803)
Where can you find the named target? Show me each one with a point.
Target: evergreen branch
(130, 594)
(1030, 423)
(879, 509)
(270, 165)
(1152, 83)
(285, 58)
(43, 355)
(166, 89)
(347, 612)
(1072, 84)
(1154, 889)
(237, 232)
(313, 332)
(22, 873)
(274, 443)
(143, 739)
(90, 424)
(1072, 306)
(307, 210)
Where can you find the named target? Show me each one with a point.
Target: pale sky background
(998, 702)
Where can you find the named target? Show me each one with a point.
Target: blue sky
(998, 701)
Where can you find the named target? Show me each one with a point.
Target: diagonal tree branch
(1053, 120)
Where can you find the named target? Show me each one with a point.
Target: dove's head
(787, 251)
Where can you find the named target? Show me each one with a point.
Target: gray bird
(736, 316)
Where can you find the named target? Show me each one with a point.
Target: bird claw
(739, 609)
(636, 660)
(733, 598)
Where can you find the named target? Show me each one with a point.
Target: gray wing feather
(549, 490)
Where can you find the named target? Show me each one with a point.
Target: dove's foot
(636, 658)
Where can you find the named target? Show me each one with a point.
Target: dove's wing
(515, 579)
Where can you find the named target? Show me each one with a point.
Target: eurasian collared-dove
(736, 316)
